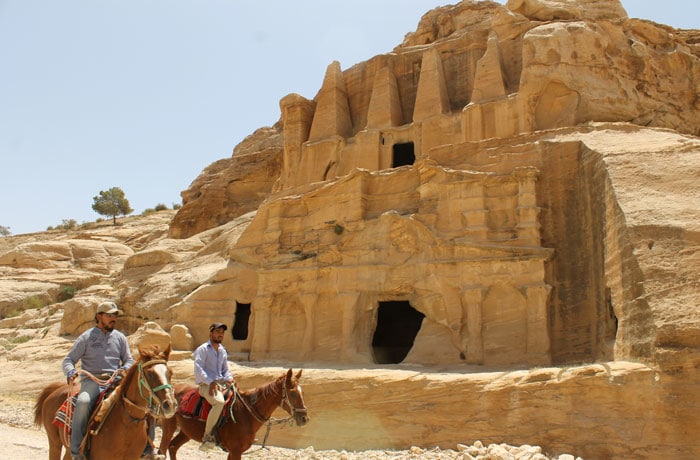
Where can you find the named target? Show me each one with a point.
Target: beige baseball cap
(109, 308)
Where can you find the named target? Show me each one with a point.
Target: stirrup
(153, 457)
(210, 445)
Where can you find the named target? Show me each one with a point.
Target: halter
(260, 418)
(271, 420)
(292, 409)
(154, 402)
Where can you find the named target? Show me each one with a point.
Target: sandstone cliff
(503, 210)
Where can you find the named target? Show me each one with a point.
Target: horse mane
(267, 388)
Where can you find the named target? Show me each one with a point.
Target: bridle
(285, 400)
(292, 409)
(271, 420)
(155, 404)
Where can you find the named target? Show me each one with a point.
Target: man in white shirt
(211, 374)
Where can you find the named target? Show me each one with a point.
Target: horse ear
(167, 352)
(298, 376)
(289, 377)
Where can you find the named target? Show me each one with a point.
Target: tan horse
(251, 410)
(145, 390)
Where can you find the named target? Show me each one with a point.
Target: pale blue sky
(144, 94)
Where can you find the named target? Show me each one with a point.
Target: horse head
(154, 381)
(293, 398)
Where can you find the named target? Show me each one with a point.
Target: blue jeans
(85, 403)
(151, 434)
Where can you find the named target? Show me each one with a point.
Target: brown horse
(145, 390)
(251, 409)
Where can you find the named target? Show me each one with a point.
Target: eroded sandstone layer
(498, 220)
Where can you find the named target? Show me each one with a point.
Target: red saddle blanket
(194, 406)
(62, 420)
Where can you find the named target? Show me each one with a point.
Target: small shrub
(161, 207)
(68, 224)
(13, 342)
(65, 293)
(148, 211)
(12, 313)
(20, 339)
(177, 206)
(33, 302)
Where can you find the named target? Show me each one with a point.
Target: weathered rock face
(489, 70)
(35, 269)
(231, 187)
(512, 187)
(594, 411)
(443, 177)
(54, 265)
(340, 265)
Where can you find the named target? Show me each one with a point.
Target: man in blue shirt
(101, 350)
(211, 373)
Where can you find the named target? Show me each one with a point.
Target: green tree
(112, 202)
(5, 231)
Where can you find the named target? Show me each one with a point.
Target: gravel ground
(21, 439)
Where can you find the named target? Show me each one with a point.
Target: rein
(73, 387)
(151, 396)
(270, 420)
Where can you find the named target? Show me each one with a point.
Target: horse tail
(43, 396)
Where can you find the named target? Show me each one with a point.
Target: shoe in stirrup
(209, 445)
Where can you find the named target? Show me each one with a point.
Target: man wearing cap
(211, 372)
(101, 350)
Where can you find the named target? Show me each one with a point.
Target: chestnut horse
(251, 409)
(145, 390)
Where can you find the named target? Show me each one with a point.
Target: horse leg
(169, 426)
(55, 451)
(55, 443)
(55, 446)
(176, 443)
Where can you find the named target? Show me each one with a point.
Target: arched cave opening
(403, 154)
(397, 325)
(240, 324)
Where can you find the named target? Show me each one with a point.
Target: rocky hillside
(489, 233)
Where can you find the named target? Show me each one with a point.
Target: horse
(249, 411)
(144, 391)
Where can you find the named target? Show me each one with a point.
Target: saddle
(64, 422)
(104, 404)
(194, 406)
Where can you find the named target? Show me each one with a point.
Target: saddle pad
(61, 419)
(194, 406)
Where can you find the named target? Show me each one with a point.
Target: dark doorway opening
(397, 325)
(403, 155)
(240, 325)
